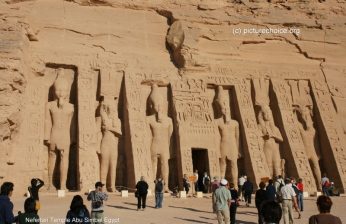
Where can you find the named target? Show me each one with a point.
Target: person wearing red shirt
(300, 194)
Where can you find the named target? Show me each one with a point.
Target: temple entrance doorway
(200, 162)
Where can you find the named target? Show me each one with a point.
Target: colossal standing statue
(111, 127)
(311, 145)
(58, 126)
(161, 128)
(229, 131)
(271, 136)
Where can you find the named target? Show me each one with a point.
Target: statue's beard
(159, 117)
(61, 102)
(227, 119)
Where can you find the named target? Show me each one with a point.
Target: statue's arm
(237, 138)
(74, 123)
(277, 135)
(116, 128)
(317, 146)
(170, 128)
(47, 122)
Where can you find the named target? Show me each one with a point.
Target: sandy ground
(175, 210)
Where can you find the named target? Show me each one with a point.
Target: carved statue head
(266, 113)
(156, 100)
(61, 88)
(222, 101)
(304, 115)
(109, 108)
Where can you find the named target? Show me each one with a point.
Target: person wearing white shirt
(288, 195)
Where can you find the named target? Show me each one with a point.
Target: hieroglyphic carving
(88, 168)
(138, 148)
(34, 123)
(333, 131)
(302, 168)
(195, 125)
(252, 142)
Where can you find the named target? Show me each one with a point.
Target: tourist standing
(324, 204)
(206, 183)
(325, 185)
(241, 182)
(288, 195)
(196, 183)
(159, 190)
(78, 212)
(6, 206)
(142, 191)
(248, 189)
(260, 197)
(300, 197)
(222, 201)
(234, 203)
(36, 184)
(271, 191)
(186, 184)
(215, 185)
(97, 197)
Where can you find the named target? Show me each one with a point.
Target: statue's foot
(111, 189)
(51, 188)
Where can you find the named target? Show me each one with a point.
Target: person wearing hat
(97, 197)
(333, 191)
(206, 183)
(215, 185)
(288, 195)
(222, 201)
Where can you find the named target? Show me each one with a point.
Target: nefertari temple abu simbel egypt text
(113, 90)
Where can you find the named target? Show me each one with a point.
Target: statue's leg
(113, 169)
(234, 171)
(269, 157)
(64, 159)
(154, 163)
(165, 169)
(105, 160)
(277, 161)
(315, 167)
(51, 165)
(223, 164)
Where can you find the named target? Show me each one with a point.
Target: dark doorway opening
(200, 162)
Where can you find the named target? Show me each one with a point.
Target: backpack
(281, 185)
(159, 186)
(326, 183)
(206, 180)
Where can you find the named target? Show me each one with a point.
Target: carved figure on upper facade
(161, 129)
(308, 133)
(229, 145)
(272, 137)
(59, 130)
(111, 128)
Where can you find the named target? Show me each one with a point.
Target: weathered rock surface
(152, 41)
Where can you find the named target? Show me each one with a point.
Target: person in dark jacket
(248, 189)
(34, 190)
(234, 203)
(271, 190)
(29, 216)
(78, 212)
(6, 206)
(142, 188)
(186, 185)
(260, 197)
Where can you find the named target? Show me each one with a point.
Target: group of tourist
(288, 192)
(225, 200)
